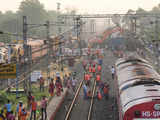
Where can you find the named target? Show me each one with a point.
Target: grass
(4, 96)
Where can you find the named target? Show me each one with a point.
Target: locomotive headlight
(157, 106)
(137, 113)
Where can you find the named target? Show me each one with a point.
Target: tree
(52, 15)
(141, 11)
(34, 11)
(156, 9)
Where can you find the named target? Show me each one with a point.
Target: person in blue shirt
(85, 91)
(8, 106)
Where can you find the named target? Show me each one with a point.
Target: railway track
(72, 105)
(74, 100)
(92, 101)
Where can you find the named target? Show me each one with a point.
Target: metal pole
(30, 65)
(25, 30)
(49, 47)
(17, 68)
(135, 24)
(78, 33)
(156, 29)
(156, 39)
(9, 61)
(59, 31)
(25, 47)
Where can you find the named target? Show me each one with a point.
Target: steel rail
(92, 101)
(74, 99)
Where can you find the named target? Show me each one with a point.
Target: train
(17, 51)
(39, 48)
(138, 89)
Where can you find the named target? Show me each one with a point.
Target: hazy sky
(87, 6)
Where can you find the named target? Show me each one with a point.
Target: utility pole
(25, 48)
(27, 55)
(135, 25)
(59, 31)
(78, 26)
(156, 29)
(156, 41)
(49, 52)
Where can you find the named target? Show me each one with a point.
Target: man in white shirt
(113, 72)
(74, 81)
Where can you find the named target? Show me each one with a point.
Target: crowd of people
(93, 71)
(23, 111)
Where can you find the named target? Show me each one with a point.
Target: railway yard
(57, 65)
(104, 109)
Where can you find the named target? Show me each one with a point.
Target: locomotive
(138, 89)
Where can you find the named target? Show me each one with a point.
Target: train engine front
(138, 89)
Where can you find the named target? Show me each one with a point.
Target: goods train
(138, 89)
(37, 50)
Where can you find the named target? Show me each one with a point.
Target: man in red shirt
(98, 79)
(99, 68)
(33, 108)
(87, 78)
(51, 87)
(106, 91)
(90, 68)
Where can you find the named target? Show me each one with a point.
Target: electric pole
(49, 48)
(79, 29)
(27, 55)
(59, 31)
(25, 48)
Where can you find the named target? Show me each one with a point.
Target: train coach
(138, 89)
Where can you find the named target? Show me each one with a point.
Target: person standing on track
(94, 70)
(87, 78)
(98, 79)
(65, 80)
(113, 72)
(90, 68)
(74, 81)
(69, 81)
(84, 64)
(100, 61)
(99, 68)
(106, 91)
(99, 95)
(85, 91)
